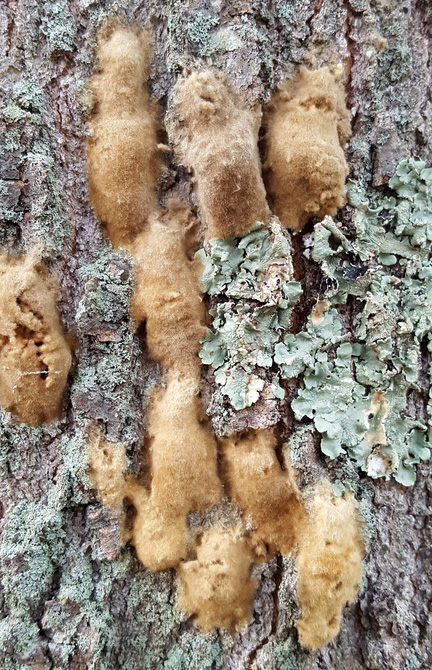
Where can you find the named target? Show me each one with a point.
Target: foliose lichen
(255, 276)
(199, 27)
(358, 388)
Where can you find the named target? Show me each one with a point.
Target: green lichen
(50, 224)
(18, 638)
(356, 387)
(258, 45)
(26, 102)
(192, 651)
(293, 17)
(13, 112)
(9, 211)
(35, 164)
(30, 551)
(391, 75)
(11, 207)
(255, 274)
(199, 32)
(59, 27)
(225, 39)
(106, 387)
(33, 533)
(43, 553)
(288, 655)
(199, 26)
(107, 286)
(72, 481)
(328, 390)
(78, 616)
(176, 36)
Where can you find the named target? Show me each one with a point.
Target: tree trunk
(71, 596)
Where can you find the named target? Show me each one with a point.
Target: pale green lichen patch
(34, 534)
(356, 388)
(31, 549)
(254, 274)
(225, 39)
(199, 26)
(50, 223)
(107, 286)
(26, 102)
(59, 27)
(328, 384)
(195, 652)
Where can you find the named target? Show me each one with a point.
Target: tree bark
(71, 596)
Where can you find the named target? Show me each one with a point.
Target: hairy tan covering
(268, 495)
(307, 125)
(168, 293)
(215, 136)
(35, 357)
(122, 155)
(329, 565)
(217, 587)
(184, 475)
(183, 455)
(123, 167)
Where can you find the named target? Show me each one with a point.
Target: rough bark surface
(70, 597)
